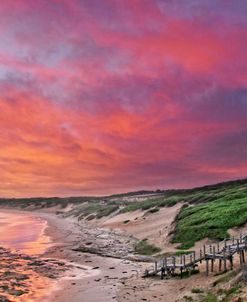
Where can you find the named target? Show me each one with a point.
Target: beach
(85, 277)
(95, 261)
(116, 279)
(105, 274)
(25, 276)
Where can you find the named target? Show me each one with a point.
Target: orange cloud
(112, 97)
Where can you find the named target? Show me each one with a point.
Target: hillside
(204, 212)
(139, 227)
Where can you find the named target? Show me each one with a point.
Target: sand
(105, 274)
(115, 279)
(156, 227)
(99, 278)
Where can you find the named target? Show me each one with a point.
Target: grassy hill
(207, 211)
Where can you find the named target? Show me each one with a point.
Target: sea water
(23, 232)
(25, 276)
(22, 240)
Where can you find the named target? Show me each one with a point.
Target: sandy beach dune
(104, 266)
(116, 279)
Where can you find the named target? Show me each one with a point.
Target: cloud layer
(99, 97)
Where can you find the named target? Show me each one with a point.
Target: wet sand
(105, 274)
(24, 276)
(97, 278)
(84, 276)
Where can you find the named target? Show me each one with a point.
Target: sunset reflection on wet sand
(23, 232)
(24, 277)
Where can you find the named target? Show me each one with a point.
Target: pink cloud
(102, 98)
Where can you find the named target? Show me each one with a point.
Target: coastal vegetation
(210, 220)
(206, 212)
(143, 247)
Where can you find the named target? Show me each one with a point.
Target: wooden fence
(223, 252)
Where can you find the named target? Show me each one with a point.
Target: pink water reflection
(23, 232)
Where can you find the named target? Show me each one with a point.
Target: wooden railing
(223, 251)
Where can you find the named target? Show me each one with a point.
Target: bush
(210, 220)
(154, 210)
(196, 291)
(210, 297)
(145, 248)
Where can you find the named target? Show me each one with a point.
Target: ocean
(24, 276)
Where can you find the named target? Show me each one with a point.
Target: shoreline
(117, 279)
(98, 278)
(95, 278)
(99, 287)
(25, 274)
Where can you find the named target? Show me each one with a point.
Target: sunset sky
(106, 96)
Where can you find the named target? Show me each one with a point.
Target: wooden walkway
(222, 252)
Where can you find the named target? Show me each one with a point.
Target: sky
(105, 96)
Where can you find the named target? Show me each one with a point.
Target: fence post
(220, 262)
(243, 256)
(210, 249)
(230, 257)
(224, 259)
(207, 267)
(212, 261)
(155, 267)
(166, 263)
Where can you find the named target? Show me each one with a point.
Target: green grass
(88, 210)
(150, 203)
(106, 210)
(210, 297)
(228, 294)
(181, 252)
(145, 248)
(228, 191)
(232, 291)
(227, 277)
(211, 219)
(225, 295)
(216, 208)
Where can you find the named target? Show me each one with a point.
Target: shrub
(145, 248)
(197, 291)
